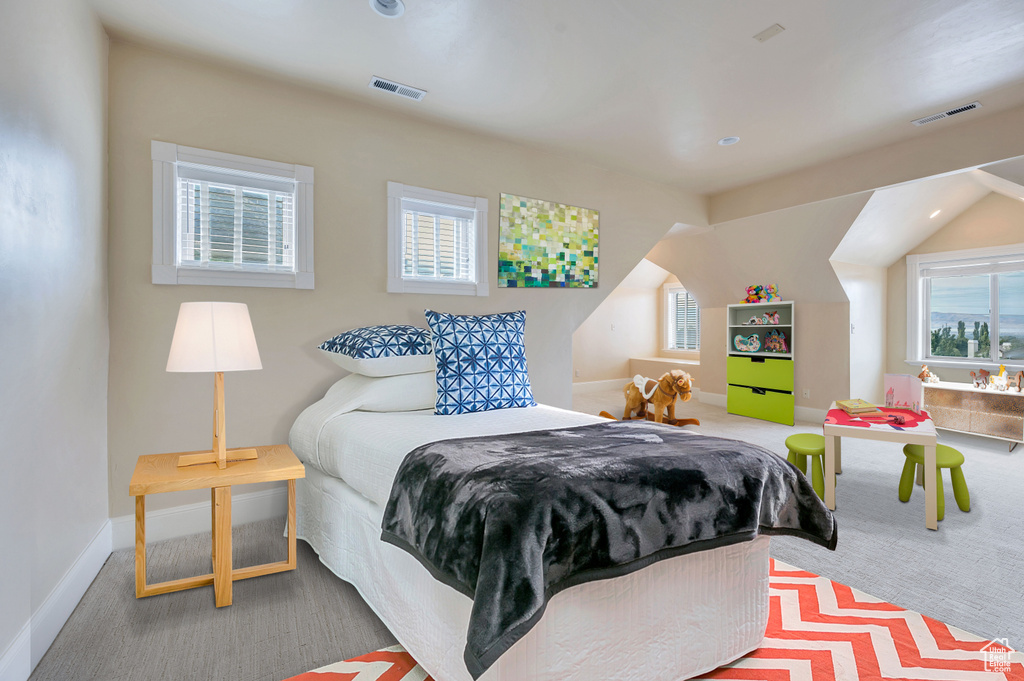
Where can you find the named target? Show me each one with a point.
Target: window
(966, 306)
(682, 319)
(437, 242)
(230, 220)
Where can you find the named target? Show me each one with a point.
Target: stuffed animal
(755, 294)
(661, 394)
(980, 379)
(772, 293)
(927, 376)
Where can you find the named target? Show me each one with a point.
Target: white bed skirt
(669, 621)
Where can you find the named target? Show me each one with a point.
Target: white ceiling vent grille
(946, 114)
(397, 88)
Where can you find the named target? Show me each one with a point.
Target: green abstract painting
(546, 244)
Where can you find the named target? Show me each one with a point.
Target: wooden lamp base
(218, 455)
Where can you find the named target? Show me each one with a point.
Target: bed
(671, 620)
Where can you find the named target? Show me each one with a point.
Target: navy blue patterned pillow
(481, 362)
(385, 350)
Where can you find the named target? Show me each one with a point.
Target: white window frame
(668, 319)
(918, 325)
(166, 266)
(397, 283)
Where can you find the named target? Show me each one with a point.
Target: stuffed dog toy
(661, 394)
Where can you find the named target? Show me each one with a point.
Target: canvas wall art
(546, 244)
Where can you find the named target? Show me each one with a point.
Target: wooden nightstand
(160, 473)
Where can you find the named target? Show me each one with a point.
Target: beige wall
(624, 325)
(355, 150)
(53, 300)
(865, 286)
(821, 349)
(789, 248)
(995, 220)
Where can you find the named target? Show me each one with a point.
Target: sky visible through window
(960, 313)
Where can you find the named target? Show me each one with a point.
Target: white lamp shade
(213, 337)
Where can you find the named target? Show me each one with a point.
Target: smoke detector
(946, 114)
(397, 88)
(388, 8)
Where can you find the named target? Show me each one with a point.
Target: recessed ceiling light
(935, 213)
(727, 141)
(388, 8)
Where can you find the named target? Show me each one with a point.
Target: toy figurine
(749, 343)
(775, 341)
(980, 379)
(754, 321)
(1018, 381)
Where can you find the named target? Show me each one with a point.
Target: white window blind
(221, 219)
(438, 242)
(685, 321)
(235, 219)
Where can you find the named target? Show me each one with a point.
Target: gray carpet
(970, 573)
(279, 626)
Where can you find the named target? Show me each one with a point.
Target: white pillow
(383, 366)
(406, 392)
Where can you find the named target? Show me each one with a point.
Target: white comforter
(366, 448)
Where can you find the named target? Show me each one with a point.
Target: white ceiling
(641, 86)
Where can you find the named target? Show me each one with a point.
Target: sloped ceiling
(789, 248)
(1006, 177)
(645, 275)
(897, 219)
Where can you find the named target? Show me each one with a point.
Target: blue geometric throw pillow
(384, 350)
(481, 362)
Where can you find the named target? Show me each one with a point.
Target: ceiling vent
(397, 88)
(946, 114)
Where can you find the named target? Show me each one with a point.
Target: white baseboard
(585, 387)
(181, 521)
(16, 661)
(35, 638)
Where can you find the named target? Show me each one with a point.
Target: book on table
(858, 407)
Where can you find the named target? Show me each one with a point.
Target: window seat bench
(654, 367)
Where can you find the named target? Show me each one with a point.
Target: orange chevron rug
(818, 630)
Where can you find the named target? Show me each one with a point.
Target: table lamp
(214, 337)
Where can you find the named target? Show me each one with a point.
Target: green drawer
(775, 374)
(771, 406)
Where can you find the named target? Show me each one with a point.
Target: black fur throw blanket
(511, 520)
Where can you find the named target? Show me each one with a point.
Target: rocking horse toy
(661, 394)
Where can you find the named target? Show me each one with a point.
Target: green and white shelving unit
(761, 382)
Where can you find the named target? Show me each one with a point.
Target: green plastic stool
(945, 457)
(803, 445)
